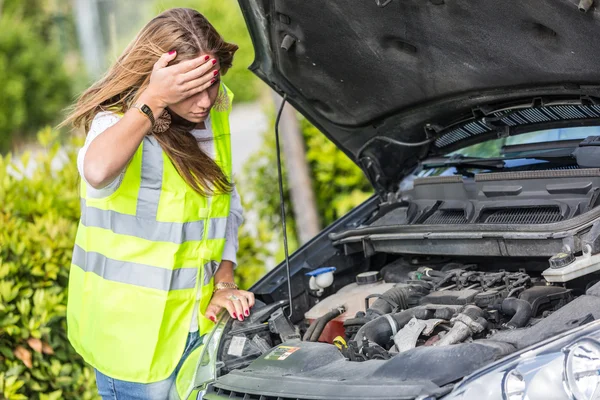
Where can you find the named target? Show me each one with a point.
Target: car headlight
(582, 368)
(566, 367)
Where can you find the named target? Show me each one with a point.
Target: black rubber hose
(380, 331)
(315, 330)
(519, 309)
(395, 295)
(398, 295)
(310, 330)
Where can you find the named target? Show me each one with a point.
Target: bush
(39, 215)
(35, 86)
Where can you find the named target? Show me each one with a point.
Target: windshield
(493, 148)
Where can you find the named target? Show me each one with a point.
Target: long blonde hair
(190, 34)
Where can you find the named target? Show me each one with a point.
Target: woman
(155, 249)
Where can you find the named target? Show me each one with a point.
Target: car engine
(402, 307)
(454, 304)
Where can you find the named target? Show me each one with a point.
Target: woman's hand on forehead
(196, 69)
(172, 84)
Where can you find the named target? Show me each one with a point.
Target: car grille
(519, 117)
(446, 217)
(525, 215)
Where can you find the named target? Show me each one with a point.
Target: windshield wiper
(460, 161)
(497, 163)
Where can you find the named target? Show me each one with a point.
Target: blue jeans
(114, 389)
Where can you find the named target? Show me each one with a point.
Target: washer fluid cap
(561, 260)
(319, 271)
(368, 277)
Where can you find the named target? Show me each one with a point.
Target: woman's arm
(110, 152)
(240, 308)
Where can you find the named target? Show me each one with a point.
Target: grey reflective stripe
(210, 268)
(157, 231)
(217, 227)
(135, 274)
(152, 175)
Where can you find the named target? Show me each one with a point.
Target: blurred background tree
(37, 65)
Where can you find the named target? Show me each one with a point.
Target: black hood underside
(375, 75)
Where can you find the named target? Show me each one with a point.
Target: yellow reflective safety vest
(142, 258)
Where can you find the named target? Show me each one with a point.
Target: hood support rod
(282, 206)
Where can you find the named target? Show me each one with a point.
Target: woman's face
(197, 107)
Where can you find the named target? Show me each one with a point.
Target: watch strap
(147, 111)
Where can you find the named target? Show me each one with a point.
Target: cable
(392, 141)
(283, 223)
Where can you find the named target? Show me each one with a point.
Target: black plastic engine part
(453, 297)
(546, 298)
(368, 277)
(519, 310)
(487, 299)
(398, 271)
(315, 371)
(279, 324)
(562, 320)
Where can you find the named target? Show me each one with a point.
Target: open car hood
(376, 75)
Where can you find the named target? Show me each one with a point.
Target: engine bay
(425, 320)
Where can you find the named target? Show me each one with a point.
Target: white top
(105, 120)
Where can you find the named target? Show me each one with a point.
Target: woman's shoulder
(102, 121)
(106, 115)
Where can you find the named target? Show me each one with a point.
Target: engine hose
(519, 309)
(397, 295)
(315, 330)
(381, 329)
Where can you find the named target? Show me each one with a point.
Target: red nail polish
(215, 73)
(213, 81)
(247, 313)
(214, 62)
(242, 317)
(213, 319)
(172, 52)
(234, 315)
(206, 58)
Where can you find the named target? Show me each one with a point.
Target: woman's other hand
(172, 84)
(237, 302)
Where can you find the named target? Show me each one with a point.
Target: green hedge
(38, 217)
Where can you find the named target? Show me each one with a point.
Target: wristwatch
(225, 285)
(147, 111)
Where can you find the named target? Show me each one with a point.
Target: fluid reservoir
(352, 297)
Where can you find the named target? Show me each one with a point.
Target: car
(474, 270)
